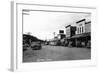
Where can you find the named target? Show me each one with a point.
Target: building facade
(79, 35)
(80, 26)
(70, 31)
(88, 26)
(82, 37)
(61, 34)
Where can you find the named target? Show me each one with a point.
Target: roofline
(67, 26)
(80, 20)
(87, 22)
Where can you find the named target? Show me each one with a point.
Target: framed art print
(51, 36)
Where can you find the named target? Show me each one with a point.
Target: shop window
(80, 29)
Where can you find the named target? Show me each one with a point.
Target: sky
(44, 24)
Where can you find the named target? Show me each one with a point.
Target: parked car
(36, 45)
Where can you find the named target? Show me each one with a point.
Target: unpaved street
(56, 53)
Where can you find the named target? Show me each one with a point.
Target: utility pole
(54, 34)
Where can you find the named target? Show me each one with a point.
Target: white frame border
(17, 65)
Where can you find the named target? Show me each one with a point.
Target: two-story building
(61, 34)
(70, 31)
(82, 37)
(80, 26)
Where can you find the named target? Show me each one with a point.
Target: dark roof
(67, 26)
(87, 22)
(80, 21)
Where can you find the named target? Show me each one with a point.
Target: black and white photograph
(50, 35)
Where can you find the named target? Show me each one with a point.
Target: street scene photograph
(55, 35)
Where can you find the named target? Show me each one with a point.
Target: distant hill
(32, 38)
(27, 38)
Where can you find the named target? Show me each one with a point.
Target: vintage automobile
(36, 45)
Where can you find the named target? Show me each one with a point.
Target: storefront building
(70, 31)
(83, 34)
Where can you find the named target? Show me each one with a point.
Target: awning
(81, 35)
(68, 38)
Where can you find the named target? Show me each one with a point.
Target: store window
(80, 29)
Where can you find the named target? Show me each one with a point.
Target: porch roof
(81, 35)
